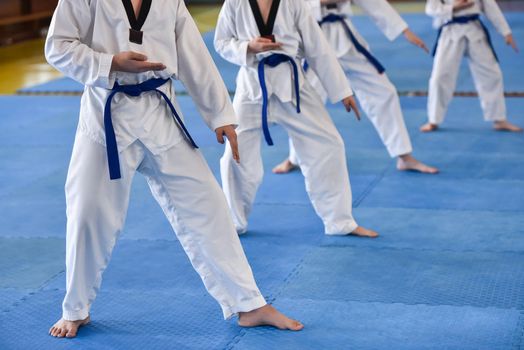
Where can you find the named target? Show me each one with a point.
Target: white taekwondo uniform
(470, 40)
(376, 94)
(83, 37)
(318, 144)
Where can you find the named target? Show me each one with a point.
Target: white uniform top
(301, 37)
(380, 11)
(85, 34)
(442, 12)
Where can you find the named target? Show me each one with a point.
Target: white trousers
(190, 197)
(378, 98)
(320, 151)
(484, 69)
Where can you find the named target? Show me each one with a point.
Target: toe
(296, 326)
(429, 170)
(62, 333)
(71, 333)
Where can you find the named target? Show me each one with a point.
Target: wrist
(114, 64)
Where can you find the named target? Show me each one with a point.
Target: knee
(337, 148)
(389, 92)
(441, 76)
(247, 171)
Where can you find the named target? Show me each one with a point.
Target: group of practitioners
(293, 56)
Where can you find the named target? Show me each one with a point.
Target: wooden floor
(23, 64)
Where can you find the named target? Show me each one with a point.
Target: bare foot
(506, 126)
(363, 232)
(267, 315)
(408, 163)
(285, 167)
(68, 329)
(428, 127)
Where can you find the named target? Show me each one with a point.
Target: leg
(443, 79)
(322, 158)
(489, 83)
(289, 164)
(194, 204)
(241, 181)
(96, 210)
(379, 100)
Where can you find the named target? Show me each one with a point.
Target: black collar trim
(265, 29)
(135, 33)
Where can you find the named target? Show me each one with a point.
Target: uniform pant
(320, 151)
(190, 197)
(378, 98)
(484, 69)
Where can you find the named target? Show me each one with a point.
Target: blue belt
(331, 18)
(133, 90)
(273, 61)
(464, 20)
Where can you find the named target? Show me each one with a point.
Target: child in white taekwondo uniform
(268, 39)
(376, 94)
(462, 33)
(130, 121)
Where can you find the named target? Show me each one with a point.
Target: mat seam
(321, 245)
(447, 250)
(272, 298)
(369, 188)
(25, 297)
(518, 342)
(520, 308)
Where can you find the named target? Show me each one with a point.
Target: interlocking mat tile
(353, 325)
(406, 276)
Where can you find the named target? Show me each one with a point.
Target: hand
(415, 40)
(511, 42)
(350, 104)
(260, 44)
(462, 4)
(229, 132)
(133, 62)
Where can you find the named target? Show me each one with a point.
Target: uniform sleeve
(315, 7)
(66, 48)
(439, 10)
(494, 14)
(198, 73)
(226, 40)
(321, 57)
(384, 16)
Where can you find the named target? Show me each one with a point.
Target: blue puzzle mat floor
(447, 271)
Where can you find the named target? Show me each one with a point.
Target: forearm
(226, 43)
(67, 49)
(79, 62)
